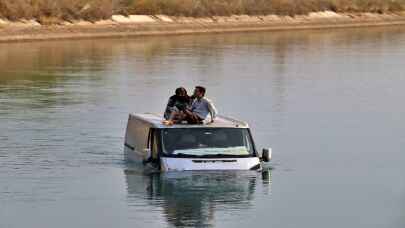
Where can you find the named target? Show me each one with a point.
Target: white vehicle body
(226, 144)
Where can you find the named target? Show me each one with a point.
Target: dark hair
(179, 90)
(201, 89)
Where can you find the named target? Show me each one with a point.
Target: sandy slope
(142, 25)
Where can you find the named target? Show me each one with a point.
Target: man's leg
(192, 118)
(179, 117)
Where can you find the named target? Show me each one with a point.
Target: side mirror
(266, 155)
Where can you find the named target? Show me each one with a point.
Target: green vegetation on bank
(52, 11)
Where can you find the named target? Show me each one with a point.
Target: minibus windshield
(205, 142)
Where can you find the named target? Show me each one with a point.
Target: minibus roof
(155, 120)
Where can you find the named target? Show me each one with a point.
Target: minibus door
(153, 145)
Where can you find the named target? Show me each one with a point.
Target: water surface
(329, 103)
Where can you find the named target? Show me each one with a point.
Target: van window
(139, 132)
(207, 142)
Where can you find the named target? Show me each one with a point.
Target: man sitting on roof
(200, 108)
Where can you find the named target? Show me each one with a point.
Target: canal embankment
(146, 25)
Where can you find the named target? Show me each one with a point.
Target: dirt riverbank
(143, 25)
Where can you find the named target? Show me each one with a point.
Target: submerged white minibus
(226, 144)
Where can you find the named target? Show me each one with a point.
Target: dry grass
(257, 7)
(61, 9)
(53, 11)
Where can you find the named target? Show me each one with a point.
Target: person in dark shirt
(177, 104)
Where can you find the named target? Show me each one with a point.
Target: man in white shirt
(200, 108)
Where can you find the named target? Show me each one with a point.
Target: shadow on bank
(191, 199)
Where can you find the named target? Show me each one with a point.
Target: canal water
(329, 103)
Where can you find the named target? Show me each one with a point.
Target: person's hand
(167, 122)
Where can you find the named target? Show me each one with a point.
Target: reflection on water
(45, 74)
(329, 103)
(190, 199)
(36, 70)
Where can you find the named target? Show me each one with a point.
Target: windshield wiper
(222, 155)
(184, 155)
(209, 155)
